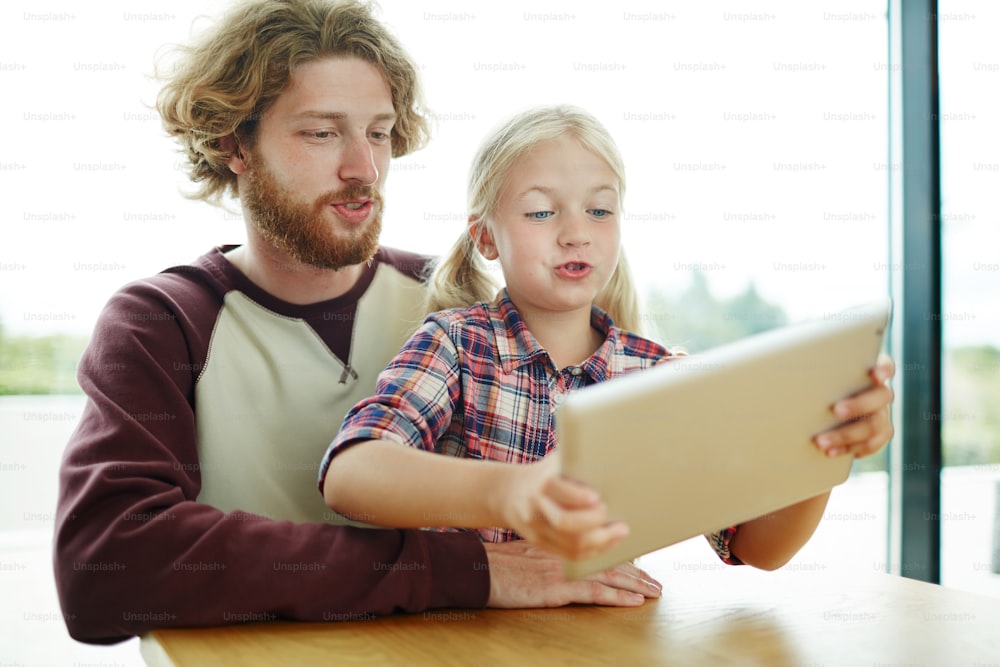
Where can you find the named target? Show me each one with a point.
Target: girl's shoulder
(473, 322)
(469, 332)
(474, 314)
(634, 345)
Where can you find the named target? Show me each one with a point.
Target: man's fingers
(524, 575)
(621, 586)
(630, 578)
(588, 591)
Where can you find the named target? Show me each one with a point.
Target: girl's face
(556, 228)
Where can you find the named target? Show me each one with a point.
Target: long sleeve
(415, 399)
(134, 549)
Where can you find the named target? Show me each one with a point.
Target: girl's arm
(389, 484)
(384, 467)
(770, 541)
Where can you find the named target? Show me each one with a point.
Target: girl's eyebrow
(547, 190)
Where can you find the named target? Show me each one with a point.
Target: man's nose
(358, 165)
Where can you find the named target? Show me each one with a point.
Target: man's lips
(356, 210)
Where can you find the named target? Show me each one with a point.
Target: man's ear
(481, 236)
(237, 160)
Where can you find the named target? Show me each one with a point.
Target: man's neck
(282, 276)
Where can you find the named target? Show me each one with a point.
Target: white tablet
(717, 438)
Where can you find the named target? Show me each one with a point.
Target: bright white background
(755, 142)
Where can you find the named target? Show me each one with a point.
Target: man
(187, 493)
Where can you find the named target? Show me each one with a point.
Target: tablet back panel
(711, 440)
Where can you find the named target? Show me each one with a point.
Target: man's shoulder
(411, 264)
(179, 287)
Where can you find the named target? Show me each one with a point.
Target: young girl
(481, 381)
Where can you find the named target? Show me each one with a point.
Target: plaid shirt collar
(517, 347)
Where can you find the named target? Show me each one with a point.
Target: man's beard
(303, 230)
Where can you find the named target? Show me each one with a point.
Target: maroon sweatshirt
(187, 493)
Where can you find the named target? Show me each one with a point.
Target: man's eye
(321, 134)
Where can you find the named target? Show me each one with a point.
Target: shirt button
(576, 371)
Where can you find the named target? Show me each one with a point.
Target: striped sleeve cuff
(720, 541)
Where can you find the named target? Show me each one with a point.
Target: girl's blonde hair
(223, 84)
(462, 277)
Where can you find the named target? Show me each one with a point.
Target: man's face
(321, 155)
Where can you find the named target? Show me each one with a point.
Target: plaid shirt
(474, 383)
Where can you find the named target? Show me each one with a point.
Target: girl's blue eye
(539, 215)
(599, 212)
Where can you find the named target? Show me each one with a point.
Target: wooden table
(709, 615)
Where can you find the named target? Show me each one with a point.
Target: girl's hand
(868, 424)
(558, 514)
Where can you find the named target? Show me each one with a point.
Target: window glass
(970, 180)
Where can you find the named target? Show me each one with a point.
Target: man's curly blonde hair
(221, 85)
